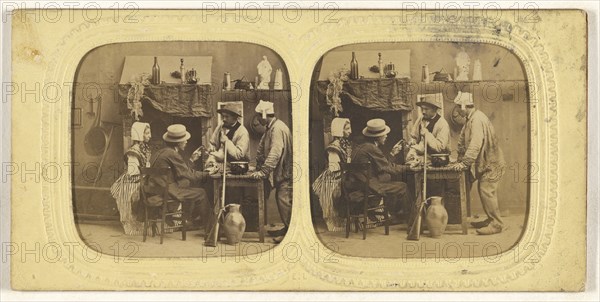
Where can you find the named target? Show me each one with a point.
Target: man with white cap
(479, 151)
(395, 193)
(274, 161)
(230, 132)
(432, 125)
(182, 176)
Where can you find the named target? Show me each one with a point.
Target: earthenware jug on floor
(234, 224)
(436, 217)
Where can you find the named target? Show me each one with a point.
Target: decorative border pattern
(309, 45)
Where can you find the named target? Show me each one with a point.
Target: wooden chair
(159, 201)
(355, 191)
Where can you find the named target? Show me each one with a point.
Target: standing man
(479, 151)
(231, 133)
(274, 161)
(184, 180)
(436, 131)
(432, 125)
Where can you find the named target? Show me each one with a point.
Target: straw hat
(176, 133)
(376, 128)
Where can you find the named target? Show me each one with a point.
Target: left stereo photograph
(179, 148)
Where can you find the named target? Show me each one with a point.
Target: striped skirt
(126, 191)
(328, 189)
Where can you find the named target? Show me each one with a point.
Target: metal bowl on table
(440, 160)
(238, 167)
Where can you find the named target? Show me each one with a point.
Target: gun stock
(415, 229)
(414, 232)
(213, 235)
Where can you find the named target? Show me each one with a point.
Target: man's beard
(428, 118)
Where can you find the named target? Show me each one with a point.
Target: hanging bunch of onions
(334, 89)
(136, 93)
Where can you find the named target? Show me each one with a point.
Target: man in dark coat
(184, 180)
(395, 193)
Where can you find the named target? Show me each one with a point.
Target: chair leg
(145, 233)
(348, 222)
(347, 227)
(365, 220)
(162, 222)
(183, 226)
(386, 220)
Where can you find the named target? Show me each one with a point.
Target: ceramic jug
(234, 224)
(436, 217)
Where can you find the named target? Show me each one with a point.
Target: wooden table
(243, 181)
(445, 173)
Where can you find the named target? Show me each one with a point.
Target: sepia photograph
(420, 141)
(314, 150)
(163, 158)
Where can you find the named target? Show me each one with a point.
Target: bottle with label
(155, 72)
(227, 81)
(182, 71)
(354, 67)
(425, 74)
(380, 65)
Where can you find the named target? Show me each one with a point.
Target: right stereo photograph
(420, 149)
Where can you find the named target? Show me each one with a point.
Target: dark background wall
(99, 72)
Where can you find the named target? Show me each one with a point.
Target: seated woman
(126, 188)
(327, 185)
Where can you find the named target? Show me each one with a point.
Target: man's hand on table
(457, 166)
(258, 175)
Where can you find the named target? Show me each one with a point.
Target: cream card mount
(548, 255)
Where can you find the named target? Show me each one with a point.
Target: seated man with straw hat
(395, 193)
(183, 178)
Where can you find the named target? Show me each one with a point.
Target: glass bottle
(182, 71)
(354, 67)
(380, 65)
(155, 72)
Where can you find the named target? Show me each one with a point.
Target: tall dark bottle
(155, 72)
(354, 67)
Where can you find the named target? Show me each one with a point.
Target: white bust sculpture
(264, 71)
(463, 63)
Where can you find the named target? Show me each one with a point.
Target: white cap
(463, 99)
(137, 131)
(265, 108)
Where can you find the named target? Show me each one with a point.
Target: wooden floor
(109, 239)
(449, 246)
